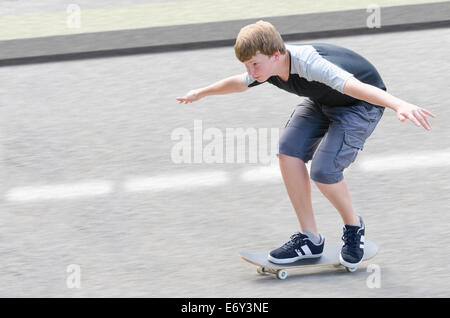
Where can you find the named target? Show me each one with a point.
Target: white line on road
(406, 161)
(61, 191)
(188, 181)
(185, 181)
(268, 174)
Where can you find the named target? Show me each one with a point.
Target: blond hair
(260, 36)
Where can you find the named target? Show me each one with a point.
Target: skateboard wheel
(282, 274)
(261, 270)
(350, 269)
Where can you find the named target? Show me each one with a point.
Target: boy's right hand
(190, 97)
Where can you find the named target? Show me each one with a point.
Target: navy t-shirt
(319, 71)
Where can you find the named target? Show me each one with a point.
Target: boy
(345, 99)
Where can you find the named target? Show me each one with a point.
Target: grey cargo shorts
(329, 135)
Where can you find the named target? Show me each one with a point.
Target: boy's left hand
(416, 114)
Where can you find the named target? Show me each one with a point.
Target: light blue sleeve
(322, 70)
(309, 64)
(248, 80)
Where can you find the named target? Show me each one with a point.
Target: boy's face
(261, 66)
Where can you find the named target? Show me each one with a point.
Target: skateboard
(330, 256)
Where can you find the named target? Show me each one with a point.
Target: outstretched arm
(228, 85)
(371, 94)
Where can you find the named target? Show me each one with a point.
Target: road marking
(189, 181)
(186, 181)
(269, 174)
(61, 191)
(406, 161)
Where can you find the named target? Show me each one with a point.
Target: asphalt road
(92, 197)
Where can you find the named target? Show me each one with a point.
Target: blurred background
(94, 204)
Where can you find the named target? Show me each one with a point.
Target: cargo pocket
(349, 150)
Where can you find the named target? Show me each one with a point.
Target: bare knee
(282, 158)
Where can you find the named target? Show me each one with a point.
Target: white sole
(347, 264)
(290, 260)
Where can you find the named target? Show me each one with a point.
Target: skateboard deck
(330, 256)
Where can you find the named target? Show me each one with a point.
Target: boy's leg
(300, 139)
(349, 129)
(298, 186)
(340, 198)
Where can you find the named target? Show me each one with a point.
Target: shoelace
(296, 239)
(351, 237)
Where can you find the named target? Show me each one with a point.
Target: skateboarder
(345, 99)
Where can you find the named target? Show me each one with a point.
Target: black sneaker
(352, 251)
(299, 247)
